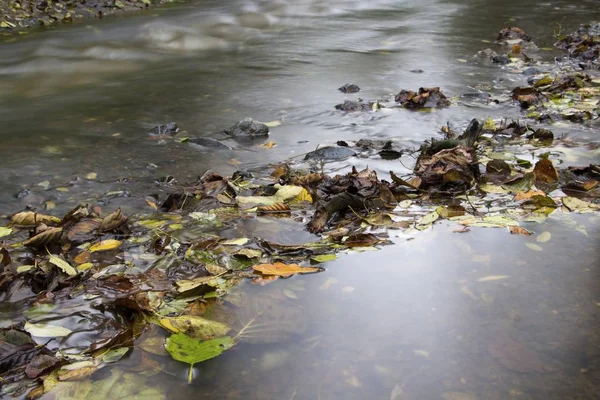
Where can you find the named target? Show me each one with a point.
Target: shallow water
(411, 321)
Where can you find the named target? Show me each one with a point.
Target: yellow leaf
(109, 244)
(62, 189)
(273, 124)
(63, 265)
(92, 175)
(195, 327)
(85, 266)
(282, 269)
(268, 145)
(304, 196)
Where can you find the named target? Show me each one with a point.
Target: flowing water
(411, 321)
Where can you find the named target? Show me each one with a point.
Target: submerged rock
(209, 142)
(353, 106)
(349, 88)
(331, 153)
(247, 127)
(169, 129)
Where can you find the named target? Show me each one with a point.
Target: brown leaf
(82, 230)
(519, 230)
(4, 257)
(49, 236)
(362, 240)
(528, 195)
(40, 364)
(27, 219)
(281, 269)
(544, 171)
(82, 257)
(113, 221)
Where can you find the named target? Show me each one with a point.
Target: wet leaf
(185, 285)
(493, 278)
(46, 330)
(283, 194)
(236, 242)
(45, 238)
(268, 145)
(189, 350)
(63, 265)
(574, 204)
(76, 374)
(40, 364)
(29, 219)
(114, 355)
(544, 171)
(154, 345)
(109, 244)
(113, 221)
(543, 237)
(4, 231)
(324, 258)
(282, 269)
(92, 175)
(528, 195)
(195, 327)
(450, 211)
(304, 196)
(519, 230)
(274, 209)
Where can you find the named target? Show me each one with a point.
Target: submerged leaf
(189, 350)
(196, 327)
(46, 330)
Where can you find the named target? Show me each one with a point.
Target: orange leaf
(268, 145)
(519, 230)
(282, 269)
(528, 195)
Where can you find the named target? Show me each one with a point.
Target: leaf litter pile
(95, 283)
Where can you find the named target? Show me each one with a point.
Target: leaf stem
(190, 374)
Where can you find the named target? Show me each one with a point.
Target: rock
(425, 98)
(512, 35)
(353, 106)
(247, 127)
(349, 88)
(502, 60)
(209, 142)
(169, 129)
(331, 153)
(532, 71)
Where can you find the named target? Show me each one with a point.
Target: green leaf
(4, 231)
(191, 351)
(324, 258)
(63, 265)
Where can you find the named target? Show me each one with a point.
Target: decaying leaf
(46, 330)
(27, 219)
(544, 171)
(282, 269)
(277, 208)
(113, 221)
(189, 350)
(45, 238)
(195, 327)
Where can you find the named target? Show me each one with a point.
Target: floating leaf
(268, 145)
(114, 355)
(321, 258)
(104, 245)
(574, 204)
(4, 231)
(519, 230)
(63, 265)
(46, 330)
(274, 209)
(282, 269)
(185, 285)
(189, 350)
(304, 196)
(195, 327)
(493, 278)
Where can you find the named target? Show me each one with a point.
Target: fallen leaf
(268, 145)
(528, 195)
(281, 269)
(493, 278)
(543, 237)
(92, 175)
(104, 245)
(63, 265)
(519, 230)
(4, 231)
(46, 330)
(44, 238)
(29, 218)
(195, 327)
(324, 258)
(544, 171)
(112, 221)
(189, 350)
